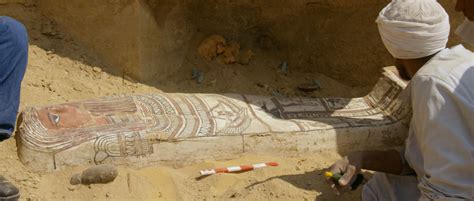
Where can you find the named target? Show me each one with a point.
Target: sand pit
(80, 51)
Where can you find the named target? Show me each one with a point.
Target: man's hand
(390, 161)
(348, 168)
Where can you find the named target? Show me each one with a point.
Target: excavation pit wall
(151, 40)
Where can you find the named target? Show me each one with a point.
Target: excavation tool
(243, 168)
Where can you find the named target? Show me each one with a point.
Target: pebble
(97, 69)
(317, 83)
(284, 67)
(200, 79)
(195, 72)
(198, 76)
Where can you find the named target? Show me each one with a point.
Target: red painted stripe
(222, 170)
(246, 167)
(272, 164)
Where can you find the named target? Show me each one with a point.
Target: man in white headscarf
(437, 162)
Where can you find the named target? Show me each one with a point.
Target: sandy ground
(60, 70)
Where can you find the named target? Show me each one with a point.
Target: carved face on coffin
(67, 117)
(71, 124)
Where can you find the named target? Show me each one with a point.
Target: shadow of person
(316, 182)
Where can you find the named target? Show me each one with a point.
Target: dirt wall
(108, 28)
(152, 39)
(24, 2)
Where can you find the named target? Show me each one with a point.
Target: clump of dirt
(212, 46)
(216, 45)
(231, 53)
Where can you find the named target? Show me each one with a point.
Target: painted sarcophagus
(178, 129)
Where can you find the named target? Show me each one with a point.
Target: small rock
(104, 75)
(284, 67)
(200, 79)
(198, 76)
(101, 174)
(97, 69)
(195, 73)
(317, 83)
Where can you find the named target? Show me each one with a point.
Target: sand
(60, 70)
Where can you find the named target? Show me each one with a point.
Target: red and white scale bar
(242, 168)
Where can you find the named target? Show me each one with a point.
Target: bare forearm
(380, 161)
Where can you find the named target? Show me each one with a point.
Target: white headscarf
(466, 31)
(412, 29)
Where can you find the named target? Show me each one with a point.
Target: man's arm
(390, 161)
